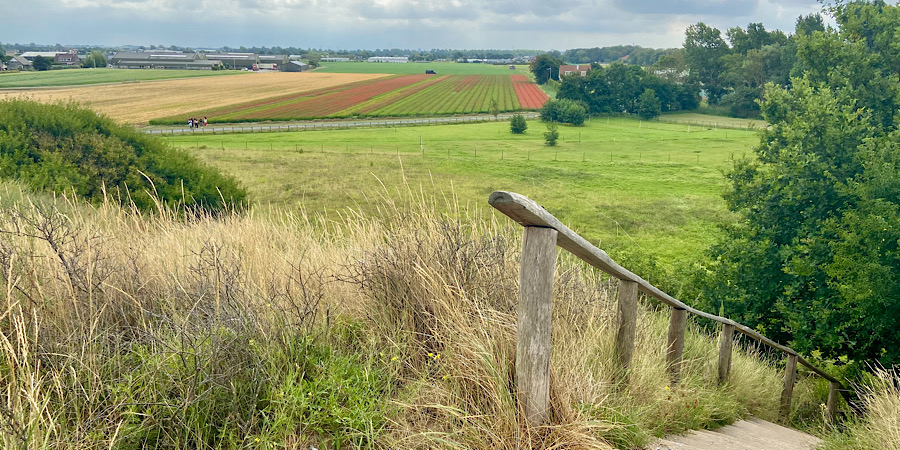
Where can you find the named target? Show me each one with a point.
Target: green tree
(517, 124)
(703, 49)
(648, 105)
(551, 135)
(813, 259)
(494, 107)
(545, 67)
(41, 63)
(94, 59)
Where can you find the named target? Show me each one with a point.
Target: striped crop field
(395, 95)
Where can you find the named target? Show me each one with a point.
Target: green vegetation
(544, 66)
(442, 68)
(813, 259)
(551, 135)
(97, 76)
(650, 188)
(648, 105)
(66, 149)
(618, 89)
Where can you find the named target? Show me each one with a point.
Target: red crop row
(529, 94)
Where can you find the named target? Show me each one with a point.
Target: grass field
(711, 121)
(442, 68)
(624, 184)
(79, 77)
(137, 103)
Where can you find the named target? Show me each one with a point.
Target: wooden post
(677, 324)
(534, 323)
(789, 374)
(725, 344)
(627, 321)
(831, 406)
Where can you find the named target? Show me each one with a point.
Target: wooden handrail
(529, 214)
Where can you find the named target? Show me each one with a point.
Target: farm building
(18, 63)
(69, 58)
(161, 60)
(234, 60)
(297, 66)
(389, 59)
(279, 60)
(333, 59)
(574, 69)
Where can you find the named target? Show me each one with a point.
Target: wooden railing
(542, 234)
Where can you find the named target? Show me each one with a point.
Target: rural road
(327, 125)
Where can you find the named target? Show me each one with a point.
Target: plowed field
(137, 103)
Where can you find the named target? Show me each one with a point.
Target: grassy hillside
(442, 68)
(272, 330)
(652, 188)
(78, 77)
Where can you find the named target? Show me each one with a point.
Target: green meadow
(80, 77)
(649, 187)
(442, 68)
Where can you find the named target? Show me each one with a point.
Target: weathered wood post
(535, 312)
(831, 406)
(677, 324)
(627, 321)
(725, 344)
(790, 372)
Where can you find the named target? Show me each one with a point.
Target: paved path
(750, 434)
(328, 125)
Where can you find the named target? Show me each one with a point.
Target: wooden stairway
(750, 434)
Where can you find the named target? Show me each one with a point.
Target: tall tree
(703, 49)
(545, 67)
(814, 257)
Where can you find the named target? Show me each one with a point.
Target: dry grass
(137, 103)
(209, 306)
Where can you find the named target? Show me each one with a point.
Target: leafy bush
(564, 110)
(69, 149)
(517, 124)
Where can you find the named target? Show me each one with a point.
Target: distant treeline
(628, 54)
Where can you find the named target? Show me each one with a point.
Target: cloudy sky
(352, 24)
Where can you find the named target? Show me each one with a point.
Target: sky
(374, 24)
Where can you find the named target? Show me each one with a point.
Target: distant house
(574, 69)
(49, 55)
(297, 66)
(334, 59)
(234, 60)
(69, 58)
(19, 63)
(161, 60)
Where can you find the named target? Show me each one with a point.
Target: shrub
(517, 124)
(69, 149)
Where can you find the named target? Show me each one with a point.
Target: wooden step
(750, 434)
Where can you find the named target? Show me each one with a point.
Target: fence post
(627, 320)
(677, 324)
(725, 342)
(533, 331)
(789, 374)
(831, 406)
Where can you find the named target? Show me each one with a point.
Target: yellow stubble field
(137, 103)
